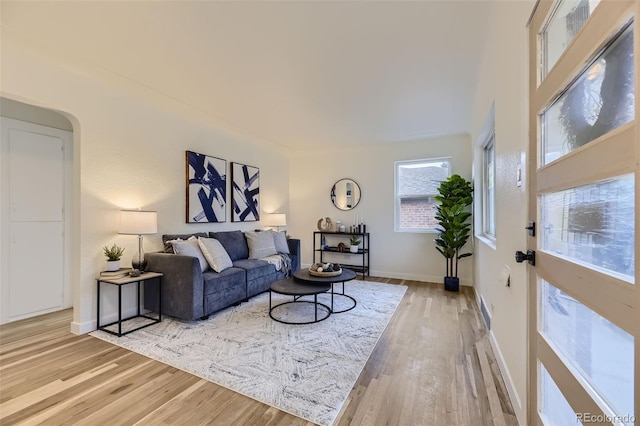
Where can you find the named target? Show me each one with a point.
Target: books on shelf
(122, 272)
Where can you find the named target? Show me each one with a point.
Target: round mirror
(345, 194)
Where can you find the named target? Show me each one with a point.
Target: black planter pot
(452, 283)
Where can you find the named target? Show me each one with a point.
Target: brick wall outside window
(417, 213)
(417, 182)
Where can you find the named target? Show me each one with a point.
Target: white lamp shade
(277, 219)
(138, 222)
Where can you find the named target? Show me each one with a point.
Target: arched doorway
(35, 211)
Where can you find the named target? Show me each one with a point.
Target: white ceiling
(296, 73)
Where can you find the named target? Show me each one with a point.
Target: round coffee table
(303, 276)
(290, 287)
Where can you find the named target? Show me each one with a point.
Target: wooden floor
(432, 366)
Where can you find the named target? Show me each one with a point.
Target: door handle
(529, 256)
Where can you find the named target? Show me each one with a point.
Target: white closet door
(35, 223)
(36, 274)
(36, 171)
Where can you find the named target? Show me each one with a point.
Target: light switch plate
(505, 276)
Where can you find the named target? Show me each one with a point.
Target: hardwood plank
(432, 365)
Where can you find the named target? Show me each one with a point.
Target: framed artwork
(206, 188)
(245, 193)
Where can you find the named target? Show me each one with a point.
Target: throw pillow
(260, 244)
(166, 239)
(280, 241)
(191, 248)
(216, 255)
(233, 242)
(168, 245)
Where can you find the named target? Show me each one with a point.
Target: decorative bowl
(325, 274)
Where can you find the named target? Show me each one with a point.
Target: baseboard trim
(511, 389)
(89, 326)
(83, 327)
(411, 277)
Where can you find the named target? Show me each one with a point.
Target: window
(593, 224)
(489, 188)
(417, 183)
(567, 20)
(600, 100)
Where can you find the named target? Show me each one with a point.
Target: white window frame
(488, 170)
(398, 198)
(479, 210)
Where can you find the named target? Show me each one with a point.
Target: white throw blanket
(282, 262)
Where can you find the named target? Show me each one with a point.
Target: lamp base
(141, 263)
(141, 266)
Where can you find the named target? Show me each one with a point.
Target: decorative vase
(452, 283)
(113, 265)
(354, 249)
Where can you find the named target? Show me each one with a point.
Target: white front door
(33, 220)
(584, 301)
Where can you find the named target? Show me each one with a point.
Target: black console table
(358, 262)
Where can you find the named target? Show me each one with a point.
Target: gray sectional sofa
(190, 294)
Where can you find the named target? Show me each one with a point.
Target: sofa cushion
(191, 248)
(222, 299)
(233, 242)
(280, 241)
(255, 268)
(215, 254)
(218, 281)
(261, 284)
(168, 248)
(260, 244)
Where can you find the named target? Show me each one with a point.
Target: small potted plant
(114, 254)
(355, 243)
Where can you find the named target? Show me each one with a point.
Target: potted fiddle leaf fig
(454, 227)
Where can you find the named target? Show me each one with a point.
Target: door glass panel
(554, 408)
(565, 23)
(599, 101)
(593, 225)
(602, 352)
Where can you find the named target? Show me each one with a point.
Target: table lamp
(277, 220)
(138, 222)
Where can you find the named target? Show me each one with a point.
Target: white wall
(393, 254)
(503, 79)
(129, 152)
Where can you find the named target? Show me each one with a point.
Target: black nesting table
(290, 287)
(303, 275)
(304, 284)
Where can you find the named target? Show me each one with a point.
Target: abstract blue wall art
(245, 193)
(206, 188)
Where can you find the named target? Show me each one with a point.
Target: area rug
(306, 370)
